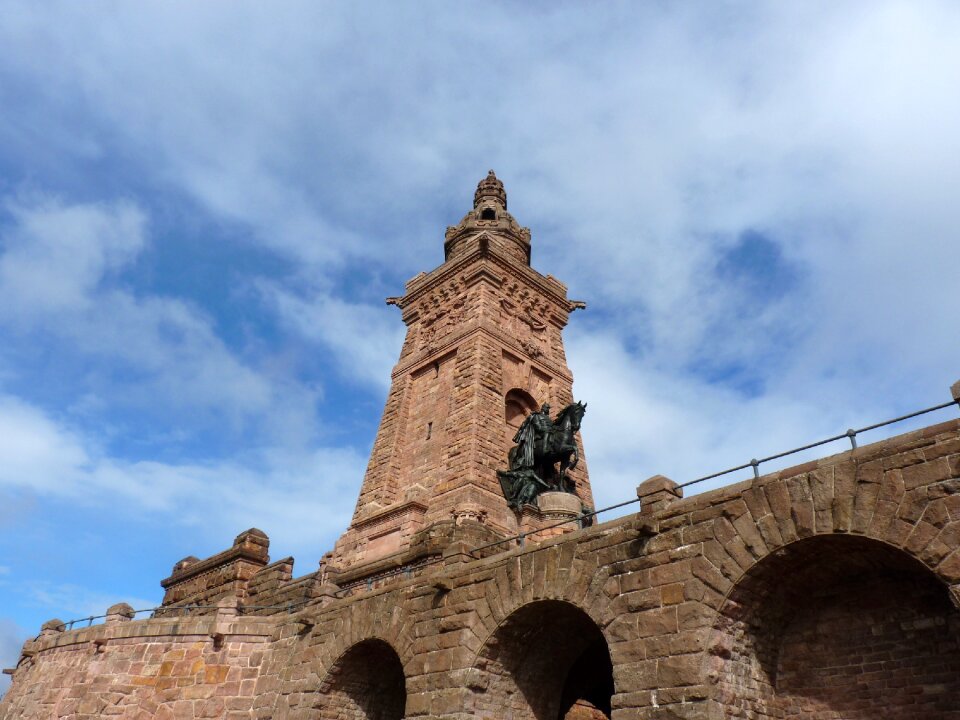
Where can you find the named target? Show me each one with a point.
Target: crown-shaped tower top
(490, 188)
(490, 219)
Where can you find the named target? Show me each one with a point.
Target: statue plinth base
(562, 505)
(552, 509)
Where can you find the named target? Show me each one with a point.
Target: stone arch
(835, 625)
(382, 617)
(878, 499)
(551, 572)
(547, 660)
(366, 682)
(318, 647)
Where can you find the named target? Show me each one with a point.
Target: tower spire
(488, 219)
(490, 189)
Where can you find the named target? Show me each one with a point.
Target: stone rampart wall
(187, 668)
(826, 591)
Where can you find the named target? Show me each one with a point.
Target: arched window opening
(366, 683)
(842, 626)
(488, 214)
(517, 405)
(547, 661)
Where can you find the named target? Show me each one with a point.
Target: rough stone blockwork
(828, 591)
(825, 592)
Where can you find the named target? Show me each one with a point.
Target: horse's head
(579, 410)
(572, 414)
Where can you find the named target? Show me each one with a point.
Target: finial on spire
(490, 188)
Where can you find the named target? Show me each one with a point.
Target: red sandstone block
(657, 621)
(903, 459)
(681, 643)
(627, 651)
(630, 677)
(802, 507)
(770, 531)
(640, 600)
(780, 504)
(949, 569)
(678, 671)
(717, 555)
(710, 575)
(926, 473)
(864, 506)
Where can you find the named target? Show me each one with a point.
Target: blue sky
(203, 206)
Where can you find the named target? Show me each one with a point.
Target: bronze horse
(555, 444)
(563, 445)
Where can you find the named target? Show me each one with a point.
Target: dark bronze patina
(542, 444)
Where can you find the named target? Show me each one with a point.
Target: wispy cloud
(80, 601)
(58, 283)
(47, 458)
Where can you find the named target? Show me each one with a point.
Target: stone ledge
(249, 545)
(389, 513)
(181, 630)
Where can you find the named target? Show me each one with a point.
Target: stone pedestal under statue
(552, 508)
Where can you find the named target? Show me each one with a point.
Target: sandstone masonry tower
(483, 349)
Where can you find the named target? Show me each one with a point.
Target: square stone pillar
(656, 493)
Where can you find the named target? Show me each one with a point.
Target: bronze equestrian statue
(542, 444)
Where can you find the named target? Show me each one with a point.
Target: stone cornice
(251, 628)
(548, 285)
(389, 513)
(420, 360)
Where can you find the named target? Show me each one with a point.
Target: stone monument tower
(830, 589)
(483, 350)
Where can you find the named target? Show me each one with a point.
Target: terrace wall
(827, 591)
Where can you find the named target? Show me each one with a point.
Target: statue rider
(536, 428)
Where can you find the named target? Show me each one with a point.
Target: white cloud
(56, 255)
(365, 340)
(48, 458)
(637, 153)
(37, 452)
(55, 281)
(79, 601)
(643, 421)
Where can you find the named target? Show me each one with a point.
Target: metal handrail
(182, 609)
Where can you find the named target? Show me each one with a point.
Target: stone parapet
(203, 582)
(661, 614)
